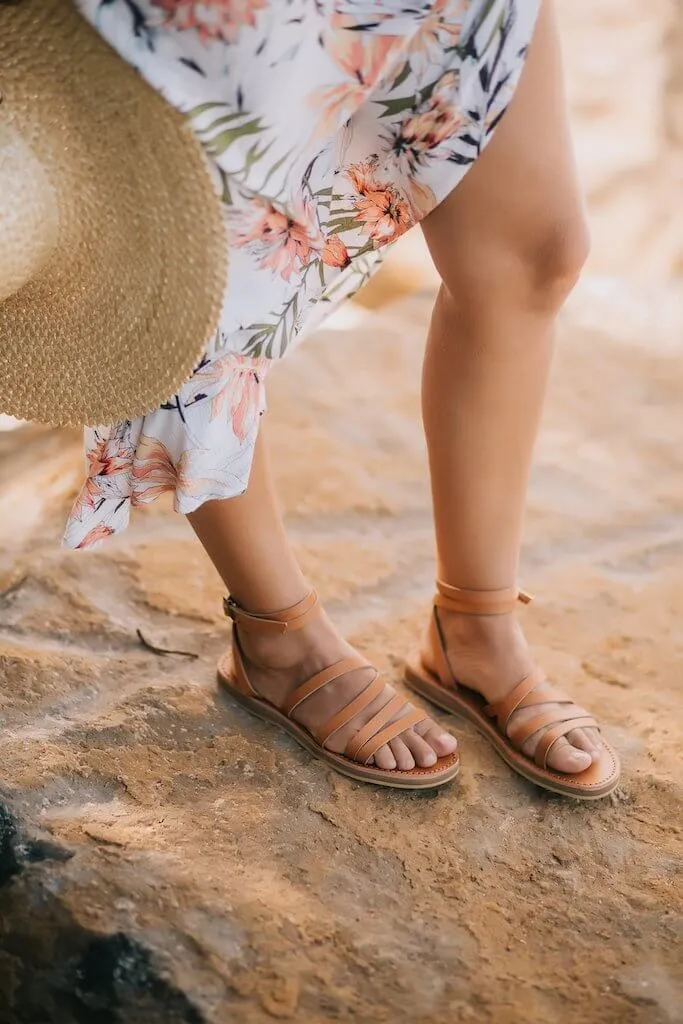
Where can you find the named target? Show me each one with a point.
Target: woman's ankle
(487, 652)
(317, 641)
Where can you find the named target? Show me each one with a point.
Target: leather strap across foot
(556, 723)
(394, 717)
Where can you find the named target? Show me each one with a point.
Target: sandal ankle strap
(479, 602)
(284, 621)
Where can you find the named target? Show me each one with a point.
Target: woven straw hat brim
(120, 313)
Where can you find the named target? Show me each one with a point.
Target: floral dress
(332, 127)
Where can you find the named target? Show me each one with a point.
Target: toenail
(429, 758)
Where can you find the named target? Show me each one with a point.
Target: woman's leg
(509, 243)
(246, 541)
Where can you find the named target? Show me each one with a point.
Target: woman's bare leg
(246, 541)
(509, 244)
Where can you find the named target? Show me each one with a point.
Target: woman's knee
(534, 266)
(552, 260)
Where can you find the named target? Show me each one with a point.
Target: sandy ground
(303, 895)
(290, 893)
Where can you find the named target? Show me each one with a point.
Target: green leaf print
(477, 25)
(393, 107)
(225, 194)
(219, 143)
(274, 168)
(413, 102)
(218, 122)
(202, 109)
(339, 224)
(255, 154)
(400, 79)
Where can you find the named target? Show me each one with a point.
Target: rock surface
(165, 859)
(169, 859)
(625, 90)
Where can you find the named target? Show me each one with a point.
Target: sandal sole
(442, 773)
(428, 686)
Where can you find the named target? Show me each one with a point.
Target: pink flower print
(363, 57)
(381, 209)
(282, 243)
(421, 133)
(107, 457)
(335, 253)
(95, 535)
(212, 19)
(440, 27)
(155, 472)
(234, 382)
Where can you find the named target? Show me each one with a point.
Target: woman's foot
(489, 654)
(277, 664)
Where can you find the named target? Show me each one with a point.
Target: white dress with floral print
(333, 127)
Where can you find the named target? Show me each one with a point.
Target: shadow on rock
(53, 969)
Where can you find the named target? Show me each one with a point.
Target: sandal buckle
(248, 621)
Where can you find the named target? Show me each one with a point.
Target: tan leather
(479, 602)
(320, 679)
(285, 621)
(365, 743)
(343, 717)
(519, 734)
(551, 736)
(239, 675)
(392, 718)
(390, 732)
(433, 678)
(503, 710)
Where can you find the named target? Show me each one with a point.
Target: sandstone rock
(166, 858)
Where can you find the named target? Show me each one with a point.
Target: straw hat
(112, 247)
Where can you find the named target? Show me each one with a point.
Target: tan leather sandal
(382, 727)
(492, 720)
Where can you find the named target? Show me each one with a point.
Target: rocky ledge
(165, 858)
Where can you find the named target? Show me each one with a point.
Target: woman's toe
(384, 759)
(564, 757)
(580, 739)
(423, 753)
(593, 736)
(588, 740)
(441, 742)
(404, 759)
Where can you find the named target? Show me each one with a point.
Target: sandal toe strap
(503, 709)
(519, 734)
(386, 725)
(550, 738)
(355, 707)
(320, 679)
(369, 749)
